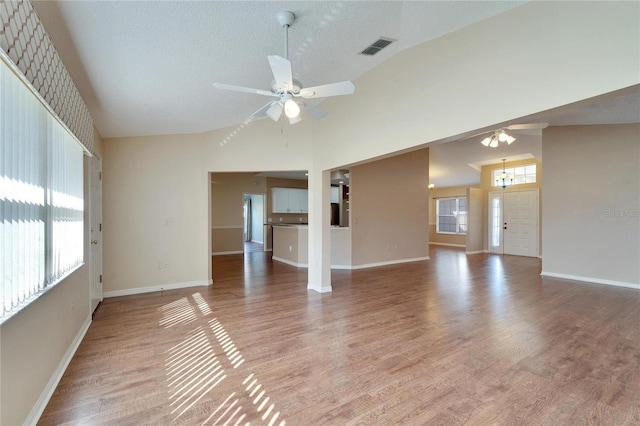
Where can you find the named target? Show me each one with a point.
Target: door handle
(94, 241)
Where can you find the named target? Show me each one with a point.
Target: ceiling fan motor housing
(297, 86)
(285, 19)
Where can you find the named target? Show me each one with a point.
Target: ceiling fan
(288, 90)
(500, 135)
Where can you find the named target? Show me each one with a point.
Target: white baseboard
(151, 289)
(476, 252)
(313, 287)
(350, 267)
(257, 242)
(222, 253)
(290, 262)
(447, 245)
(591, 280)
(344, 267)
(45, 396)
(390, 262)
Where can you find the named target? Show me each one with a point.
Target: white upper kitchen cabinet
(280, 200)
(289, 200)
(298, 201)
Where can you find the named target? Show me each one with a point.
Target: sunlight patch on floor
(193, 369)
(178, 312)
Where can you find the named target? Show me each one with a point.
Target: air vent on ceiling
(377, 46)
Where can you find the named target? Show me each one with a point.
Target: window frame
(57, 159)
(457, 214)
(511, 174)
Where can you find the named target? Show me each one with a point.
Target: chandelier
(502, 180)
(499, 136)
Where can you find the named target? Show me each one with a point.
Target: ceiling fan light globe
(502, 137)
(494, 143)
(510, 139)
(291, 108)
(275, 111)
(486, 141)
(296, 119)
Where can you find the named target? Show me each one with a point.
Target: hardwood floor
(473, 340)
(251, 247)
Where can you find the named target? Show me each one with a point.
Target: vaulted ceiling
(147, 67)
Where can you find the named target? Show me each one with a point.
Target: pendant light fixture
(502, 180)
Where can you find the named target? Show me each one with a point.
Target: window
(451, 215)
(41, 196)
(519, 174)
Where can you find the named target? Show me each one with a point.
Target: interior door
(95, 226)
(513, 222)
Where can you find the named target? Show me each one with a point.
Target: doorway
(253, 223)
(513, 222)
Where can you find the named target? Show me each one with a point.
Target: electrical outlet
(163, 265)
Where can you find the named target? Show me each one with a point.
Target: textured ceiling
(147, 67)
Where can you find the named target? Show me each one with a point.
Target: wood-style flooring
(457, 340)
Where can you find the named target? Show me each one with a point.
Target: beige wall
(35, 342)
(155, 210)
(475, 233)
(590, 215)
(390, 209)
(297, 239)
(290, 245)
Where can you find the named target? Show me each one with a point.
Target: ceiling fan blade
(531, 126)
(243, 89)
(315, 112)
(281, 69)
(334, 89)
(262, 112)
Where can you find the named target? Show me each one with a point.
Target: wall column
(319, 231)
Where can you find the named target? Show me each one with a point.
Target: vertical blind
(41, 196)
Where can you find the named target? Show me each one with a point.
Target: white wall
(591, 210)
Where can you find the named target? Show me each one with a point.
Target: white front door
(513, 222)
(95, 226)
